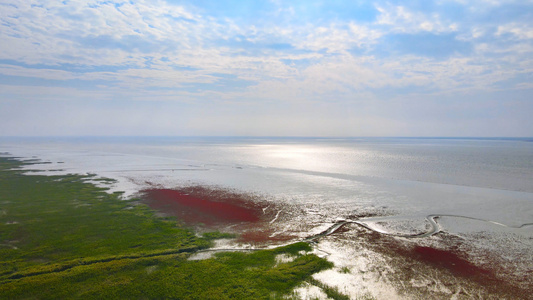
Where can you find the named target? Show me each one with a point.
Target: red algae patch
(487, 278)
(247, 215)
(450, 261)
(205, 208)
(443, 267)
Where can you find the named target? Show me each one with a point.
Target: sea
(485, 178)
(470, 187)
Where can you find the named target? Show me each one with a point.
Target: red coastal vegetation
(205, 208)
(450, 261)
(212, 208)
(453, 263)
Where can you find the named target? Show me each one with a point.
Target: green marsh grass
(63, 237)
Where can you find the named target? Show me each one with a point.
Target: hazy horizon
(252, 137)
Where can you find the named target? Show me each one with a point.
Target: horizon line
(265, 136)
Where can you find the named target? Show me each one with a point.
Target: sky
(266, 68)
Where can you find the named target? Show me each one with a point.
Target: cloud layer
(266, 67)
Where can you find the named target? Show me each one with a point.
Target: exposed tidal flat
(398, 218)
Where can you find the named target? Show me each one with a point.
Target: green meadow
(63, 237)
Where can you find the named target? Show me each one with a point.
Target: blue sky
(275, 68)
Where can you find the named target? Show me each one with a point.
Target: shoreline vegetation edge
(64, 237)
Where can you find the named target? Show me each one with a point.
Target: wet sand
(438, 266)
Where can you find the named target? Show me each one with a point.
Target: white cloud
(518, 30)
(337, 38)
(403, 20)
(46, 34)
